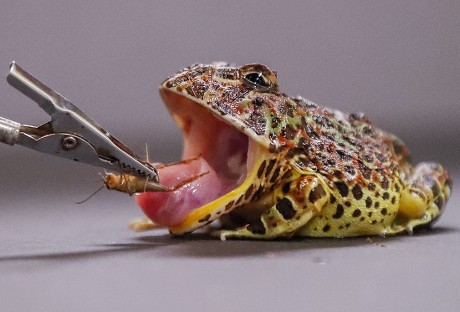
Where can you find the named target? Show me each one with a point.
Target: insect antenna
(147, 153)
(90, 196)
(181, 162)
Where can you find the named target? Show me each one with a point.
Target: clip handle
(9, 131)
(34, 89)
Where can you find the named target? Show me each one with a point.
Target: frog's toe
(143, 224)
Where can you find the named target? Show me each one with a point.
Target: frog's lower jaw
(211, 147)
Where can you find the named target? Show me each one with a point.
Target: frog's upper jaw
(213, 147)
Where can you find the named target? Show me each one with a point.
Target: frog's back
(359, 163)
(339, 146)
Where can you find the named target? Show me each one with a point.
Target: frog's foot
(424, 197)
(143, 224)
(285, 218)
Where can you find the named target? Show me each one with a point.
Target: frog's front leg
(143, 224)
(297, 202)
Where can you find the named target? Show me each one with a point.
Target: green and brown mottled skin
(320, 172)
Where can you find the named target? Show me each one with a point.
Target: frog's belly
(353, 218)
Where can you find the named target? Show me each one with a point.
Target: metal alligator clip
(70, 133)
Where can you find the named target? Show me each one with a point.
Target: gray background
(398, 61)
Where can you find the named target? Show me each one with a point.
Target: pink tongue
(171, 208)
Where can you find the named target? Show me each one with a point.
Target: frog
(272, 166)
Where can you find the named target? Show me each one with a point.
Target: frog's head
(225, 114)
(233, 95)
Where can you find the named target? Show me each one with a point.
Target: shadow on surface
(202, 245)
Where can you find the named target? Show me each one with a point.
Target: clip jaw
(70, 133)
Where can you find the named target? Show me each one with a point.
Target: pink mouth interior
(211, 146)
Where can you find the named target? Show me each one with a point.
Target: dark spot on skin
(365, 171)
(256, 122)
(374, 222)
(369, 214)
(258, 101)
(338, 212)
(350, 170)
(338, 174)
(303, 147)
(206, 218)
(311, 132)
(343, 155)
(332, 199)
(368, 202)
(393, 200)
(179, 89)
(258, 193)
(356, 213)
(342, 187)
(357, 192)
(270, 166)
(382, 158)
(371, 186)
(362, 219)
(286, 187)
(385, 183)
(386, 196)
(261, 169)
(249, 191)
(384, 211)
(367, 130)
(303, 163)
(294, 151)
(288, 132)
(376, 204)
(316, 193)
(326, 228)
(229, 206)
(286, 175)
(284, 206)
(275, 175)
(397, 189)
(347, 225)
(275, 121)
(347, 203)
(257, 227)
(240, 200)
(368, 158)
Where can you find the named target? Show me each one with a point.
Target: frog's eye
(258, 77)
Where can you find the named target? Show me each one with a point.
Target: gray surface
(397, 61)
(85, 258)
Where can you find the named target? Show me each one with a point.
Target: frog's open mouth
(211, 146)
